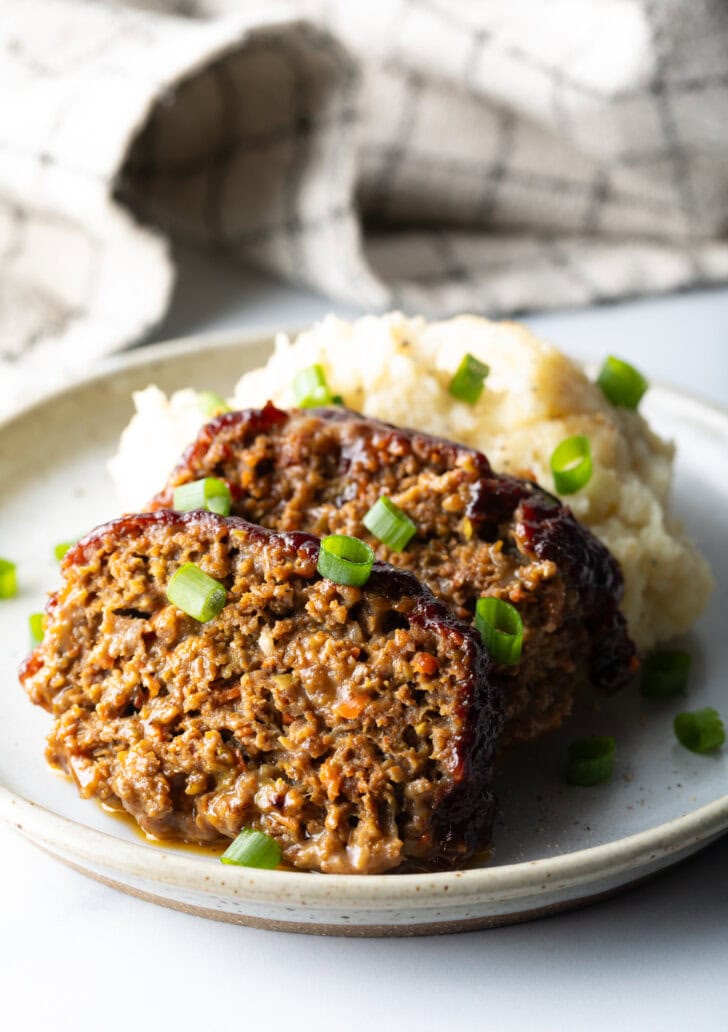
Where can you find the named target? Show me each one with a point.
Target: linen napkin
(433, 155)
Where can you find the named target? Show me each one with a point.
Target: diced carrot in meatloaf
(356, 725)
(478, 533)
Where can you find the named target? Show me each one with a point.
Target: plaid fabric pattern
(435, 155)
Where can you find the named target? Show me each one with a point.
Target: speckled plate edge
(349, 905)
(509, 882)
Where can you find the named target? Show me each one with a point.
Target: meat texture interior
(357, 726)
(477, 534)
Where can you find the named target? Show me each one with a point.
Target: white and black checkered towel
(429, 154)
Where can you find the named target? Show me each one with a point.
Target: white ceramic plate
(555, 846)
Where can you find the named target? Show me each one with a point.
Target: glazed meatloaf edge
(356, 726)
(478, 533)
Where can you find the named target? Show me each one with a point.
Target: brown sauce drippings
(213, 850)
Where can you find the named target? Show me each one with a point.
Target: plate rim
(145, 354)
(172, 867)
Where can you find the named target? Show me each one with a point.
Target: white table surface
(75, 955)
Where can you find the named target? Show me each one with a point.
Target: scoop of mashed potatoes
(398, 369)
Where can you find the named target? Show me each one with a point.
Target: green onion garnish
(211, 494)
(253, 849)
(35, 621)
(501, 628)
(337, 399)
(591, 760)
(467, 383)
(211, 404)
(700, 731)
(621, 383)
(195, 593)
(62, 547)
(665, 673)
(389, 524)
(8, 579)
(310, 388)
(571, 464)
(345, 560)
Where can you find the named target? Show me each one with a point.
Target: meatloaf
(478, 533)
(354, 725)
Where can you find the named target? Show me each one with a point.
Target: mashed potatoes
(398, 369)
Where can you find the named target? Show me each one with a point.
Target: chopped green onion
(591, 760)
(621, 383)
(8, 579)
(253, 849)
(467, 383)
(211, 404)
(310, 388)
(571, 464)
(337, 399)
(501, 628)
(35, 621)
(62, 547)
(665, 673)
(345, 560)
(700, 731)
(389, 524)
(195, 593)
(211, 494)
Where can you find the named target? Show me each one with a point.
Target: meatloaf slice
(354, 725)
(478, 533)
